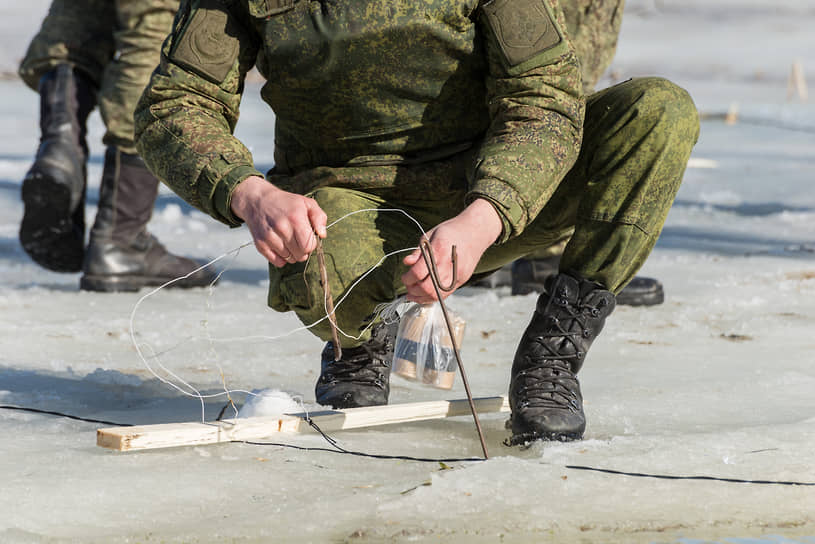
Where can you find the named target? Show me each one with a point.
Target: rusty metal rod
(427, 253)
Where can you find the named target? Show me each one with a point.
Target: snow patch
(171, 214)
(269, 402)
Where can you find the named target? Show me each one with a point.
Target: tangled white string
(387, 312)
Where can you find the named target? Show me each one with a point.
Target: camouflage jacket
(353, 80)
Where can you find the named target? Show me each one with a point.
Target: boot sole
(520, 439)
(526, 438)
(130, 284)
(48, 232)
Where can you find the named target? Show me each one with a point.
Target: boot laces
(361, 365)
(548, 380)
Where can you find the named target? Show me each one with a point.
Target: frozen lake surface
(717, 382)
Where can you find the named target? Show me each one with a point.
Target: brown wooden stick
(329, 301)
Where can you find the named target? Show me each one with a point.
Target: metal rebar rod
(427, 253)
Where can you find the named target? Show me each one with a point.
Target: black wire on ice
(330, 440)
(340, 450)
(670, 477)
(61, 414)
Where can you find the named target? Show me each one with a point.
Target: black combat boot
(122, 255)
(544, 394)
(529, 276)
(362, 376)
(53, 228)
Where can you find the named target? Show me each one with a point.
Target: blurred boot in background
(122, 255)
(52, 231)
(530, 274)
(89, 49)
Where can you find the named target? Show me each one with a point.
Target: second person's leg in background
(122, 255)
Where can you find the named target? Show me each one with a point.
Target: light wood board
(167, 435)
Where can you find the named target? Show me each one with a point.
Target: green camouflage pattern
(527, 160)
(363, 82)
(637, 142)
(116, 43)
(594, 27)
(616, 198)
(79, 32)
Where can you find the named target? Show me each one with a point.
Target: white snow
(719, 381)
(269, 402)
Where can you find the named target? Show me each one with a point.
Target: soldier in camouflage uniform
(87, 49)
(469, 117)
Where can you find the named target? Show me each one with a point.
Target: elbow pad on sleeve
(527, 33)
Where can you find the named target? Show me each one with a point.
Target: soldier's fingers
(309, 248)
(411, 259)
(288, 257)
(415, 274)
(279, 262)
(271, 255)
(302, 239)
(303, 242)
(317, 218)
(422, 292)
(272, 247)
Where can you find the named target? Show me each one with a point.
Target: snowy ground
(719, 381)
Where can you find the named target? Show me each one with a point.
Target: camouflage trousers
(116, 43)
(637, 140)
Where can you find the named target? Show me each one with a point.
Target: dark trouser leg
(52, 231)
(122, 255)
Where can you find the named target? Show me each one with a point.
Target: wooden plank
(168, 435)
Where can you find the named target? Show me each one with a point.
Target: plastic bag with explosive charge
(423, 350)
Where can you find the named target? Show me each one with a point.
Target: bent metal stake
(427, 253)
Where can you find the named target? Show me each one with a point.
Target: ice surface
(719, 381)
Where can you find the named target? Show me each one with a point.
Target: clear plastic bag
(423, 350)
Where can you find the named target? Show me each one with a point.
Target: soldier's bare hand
(472, 232)
(283, 224)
